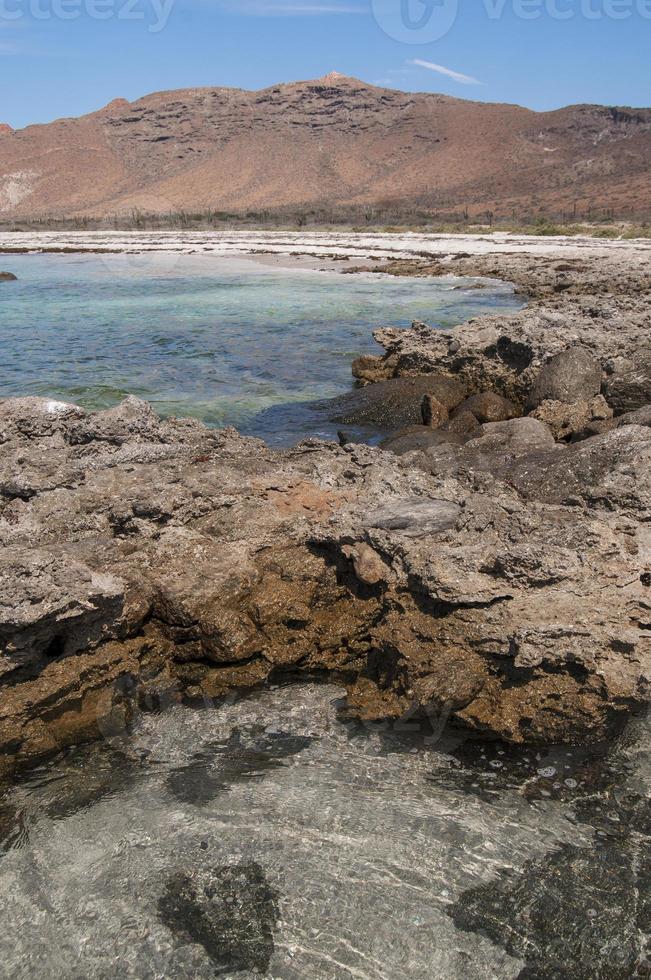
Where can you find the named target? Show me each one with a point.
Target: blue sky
(67, 57)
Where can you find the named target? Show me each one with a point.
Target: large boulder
(573, 375)
(609, 472)
(627, 385)
(488, 406)
(7, 277)
(419, 438)
(511, 436)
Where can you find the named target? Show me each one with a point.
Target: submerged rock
(245, 755)
(231, 911)
(580, 911)
(569, 915)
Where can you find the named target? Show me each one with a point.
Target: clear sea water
(268, 837)
(220, 339)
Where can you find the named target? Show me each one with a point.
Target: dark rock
(488, 407)
(86, 776)
(231, 911)
(628, 386)
(395, 403)
(578, 914)
(8, 277)
(418, 437)
(573, 375)
(463, 424)
(434, 412)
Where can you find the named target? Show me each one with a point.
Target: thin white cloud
(456, 76)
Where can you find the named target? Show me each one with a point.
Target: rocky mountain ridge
(332, 142)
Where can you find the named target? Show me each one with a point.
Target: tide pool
(221, 339)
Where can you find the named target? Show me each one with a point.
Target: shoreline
(197, 561)
(320, 245)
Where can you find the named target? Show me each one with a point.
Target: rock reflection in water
(244, 755)
(267, 837)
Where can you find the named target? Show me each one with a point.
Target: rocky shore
(491, 563)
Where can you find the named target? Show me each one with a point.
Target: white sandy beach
(323, 244)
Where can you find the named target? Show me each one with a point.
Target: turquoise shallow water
(221, 339)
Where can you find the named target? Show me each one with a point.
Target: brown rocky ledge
(483, 569)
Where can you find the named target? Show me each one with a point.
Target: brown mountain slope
(333, 141)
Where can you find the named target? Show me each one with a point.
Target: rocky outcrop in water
(583, 311)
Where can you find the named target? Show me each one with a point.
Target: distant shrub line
(389, 218)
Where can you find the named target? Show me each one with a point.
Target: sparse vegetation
(386, 219)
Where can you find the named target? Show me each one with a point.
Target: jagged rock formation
(144, 561)
(333, 141)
